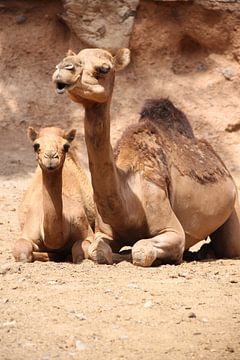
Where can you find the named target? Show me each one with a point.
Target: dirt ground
(65, 311)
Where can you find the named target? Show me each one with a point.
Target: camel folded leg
(106, 251)
(225, 241)
(23, 251)
(166, 248)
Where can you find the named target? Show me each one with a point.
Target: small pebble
(107, 291)
(123, 337)
(148, 304)
(230, 349)
(192, 315)
(11, 323)
(228, 73)
(80, 345)
(133, 286)
(20, 19)
(81, 316)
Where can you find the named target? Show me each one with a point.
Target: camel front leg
(166, 248)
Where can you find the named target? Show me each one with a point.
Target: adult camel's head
(51, 145)
(89, 75)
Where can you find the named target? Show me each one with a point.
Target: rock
(230, 349)
(133, 286)
(20, 19)
(233, 127)
(123, 337)
(101, 23)
(148, 304)
(81, 316)
(11, 323)
(228, 73)
(192, 315)
(80, 345)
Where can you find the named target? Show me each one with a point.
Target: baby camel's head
(51, 145)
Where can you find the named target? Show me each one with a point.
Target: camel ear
(32, 133)
(70, 135)
(70, 53)
(121, 59)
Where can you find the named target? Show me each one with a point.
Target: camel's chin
(96, 96)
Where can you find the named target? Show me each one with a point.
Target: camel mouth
(61, 87)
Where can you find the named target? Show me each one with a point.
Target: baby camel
(163, 190)
(57, 210)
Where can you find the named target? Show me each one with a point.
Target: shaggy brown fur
(164, 137)
(163, 113)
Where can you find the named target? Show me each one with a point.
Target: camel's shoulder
(141, 149)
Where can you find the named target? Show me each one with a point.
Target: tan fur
(56, 213)
(162, 190)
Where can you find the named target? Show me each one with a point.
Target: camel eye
(36, 147)
(102, 70)
(66, 147)
(69, 67)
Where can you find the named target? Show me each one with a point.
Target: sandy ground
(66, 311)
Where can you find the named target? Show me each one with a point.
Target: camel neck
(52, 209)
(105, 175)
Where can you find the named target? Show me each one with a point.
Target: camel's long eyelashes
(102, 70)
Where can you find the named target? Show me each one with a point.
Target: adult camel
(162, 190)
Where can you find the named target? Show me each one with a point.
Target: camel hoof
(77, 259)
(143, 255)
(100, 252)
(24, 258)
(23, 251)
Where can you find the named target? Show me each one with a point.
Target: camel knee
(23, 250)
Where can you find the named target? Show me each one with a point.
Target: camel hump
(162, 112)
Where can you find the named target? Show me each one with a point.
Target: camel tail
(163, 112)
